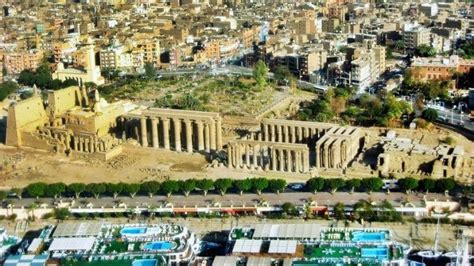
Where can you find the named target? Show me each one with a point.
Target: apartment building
(415, 36)
(440, 68)
(15, 62)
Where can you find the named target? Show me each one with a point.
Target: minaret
(90, 56)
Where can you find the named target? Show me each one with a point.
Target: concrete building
(15, 62)
(440, 68)
(91, 73)
(416, 36)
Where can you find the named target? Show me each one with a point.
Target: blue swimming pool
(148, 262)
(360, 236)
(158, 245)
(379, 253)
(133, 231)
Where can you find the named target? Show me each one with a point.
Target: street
(250, 199)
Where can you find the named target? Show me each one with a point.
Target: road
(250, 199)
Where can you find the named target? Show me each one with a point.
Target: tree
(388, 213)
(131, 189)
(114, 189)
(205, 185)
(429, 114)
(150, 188)
(3, 195)
(353, 184)
(243, 185)
(260, 72)
(96, 189)
(425, 51)
(427, 184)
(61, 213)
(276, 185)
(169, 187)
(315, 184)
(289, 208)
(7, 88)
(408, 184)
(283, 75)
(36, 189)
(55, 189)
(150, 70)
(372, 184)
(339, 211)
(259, 184)
(445, 184)
(187, 186)
(76, 189)
(334, 184)
(223, 184)
(363, 210)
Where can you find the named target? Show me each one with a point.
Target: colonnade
(289, 131)
(178, 130)
(268, 156)
(66, 139)
(338, 147)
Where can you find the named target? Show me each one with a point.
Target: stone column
(305, 161)
(318, 155)
(298, 163)
(207, 143)
(212, 132)
(143, 131)
(293, 134)
(289, 161)
(86, 145)
(154, 132)
(75, 143)
(229, 156)
(200, 135)
(166, 133)
(177, 133)
(265, 155)
(300, 134)
(247, 156)
(255, 156)
(218, 134)
(274, 160)
(281, 160)
(189, 135)
(272, 133)
(280, 137)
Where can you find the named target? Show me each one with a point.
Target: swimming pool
(143, 262)
(158, 245)
(133, 231)
(379, 253)
(360, 236)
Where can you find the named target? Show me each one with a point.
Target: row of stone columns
(88, 144)
(181, 133)
(334, 153)
(289, 133)
(267, 157)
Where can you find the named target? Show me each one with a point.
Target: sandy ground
(135, 164)
(423, 234)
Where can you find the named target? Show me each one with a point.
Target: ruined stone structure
(71, 121)
(266, 155)
(338, 147)
(292, 131)
(402, 157)
(179, 130)
(295, 146)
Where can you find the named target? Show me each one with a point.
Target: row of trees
(371, 184)
(222, 186)
(42, 77)
(150, 188)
